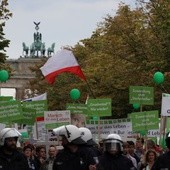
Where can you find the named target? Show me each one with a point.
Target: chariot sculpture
(37, 48)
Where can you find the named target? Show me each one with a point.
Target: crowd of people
(81, 152)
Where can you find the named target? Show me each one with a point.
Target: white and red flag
(62, 61)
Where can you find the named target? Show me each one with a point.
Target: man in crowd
(10, 158)
(48, 164)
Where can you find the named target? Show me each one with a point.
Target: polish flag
(62, 61)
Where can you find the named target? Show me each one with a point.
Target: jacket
(80, 160)
(16, 161)
(116, 162)
(162, 162)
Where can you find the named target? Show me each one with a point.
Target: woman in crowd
(148, 161)
(28, 152)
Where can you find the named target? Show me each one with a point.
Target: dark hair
(32, 146)
(125, 144)
(131, 142)
(38, 148)
(27, 147)
(151, 142)
(140, 139)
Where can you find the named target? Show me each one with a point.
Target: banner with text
(54, 119)
(10, 111)
(123, 127)
(5, 98)
(143, 121)
(40, 106)
(141, 95)
(165, 106)
(28, 116)
(76, 108)
(99, 107)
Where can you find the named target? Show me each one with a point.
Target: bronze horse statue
(50, 49)
(25, 49)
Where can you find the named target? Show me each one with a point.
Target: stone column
(19, 94)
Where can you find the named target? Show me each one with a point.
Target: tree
(124, 50)
(4, 16)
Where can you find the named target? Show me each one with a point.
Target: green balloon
(136, 106)
(158, 78)
(75, 94)
(4, 76)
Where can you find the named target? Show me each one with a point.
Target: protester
(132, 151)
(150, 144)
(28, 152)
(126, 148)
(10, 158)
(74, 156)
(40, 156)
(48, 164)
(163, 161)
(113, 159)
(149, 159)
(139, 147)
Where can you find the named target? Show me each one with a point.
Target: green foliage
(124, 50)
(4, 16)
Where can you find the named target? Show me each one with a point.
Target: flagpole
(164, 88)
(36, 128)
(90, 89)
(163, 124)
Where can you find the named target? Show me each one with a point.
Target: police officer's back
(86, 135)
(74, 156)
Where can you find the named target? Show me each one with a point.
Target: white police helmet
(86, 135)
(8, 133)
(71, 132)
(113, 142)
(114, 137)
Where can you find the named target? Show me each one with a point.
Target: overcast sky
(64, 22)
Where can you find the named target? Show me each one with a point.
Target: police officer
(86, 135)
(113, 159)
(10, 158)
(74, 156)
(163, 161)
